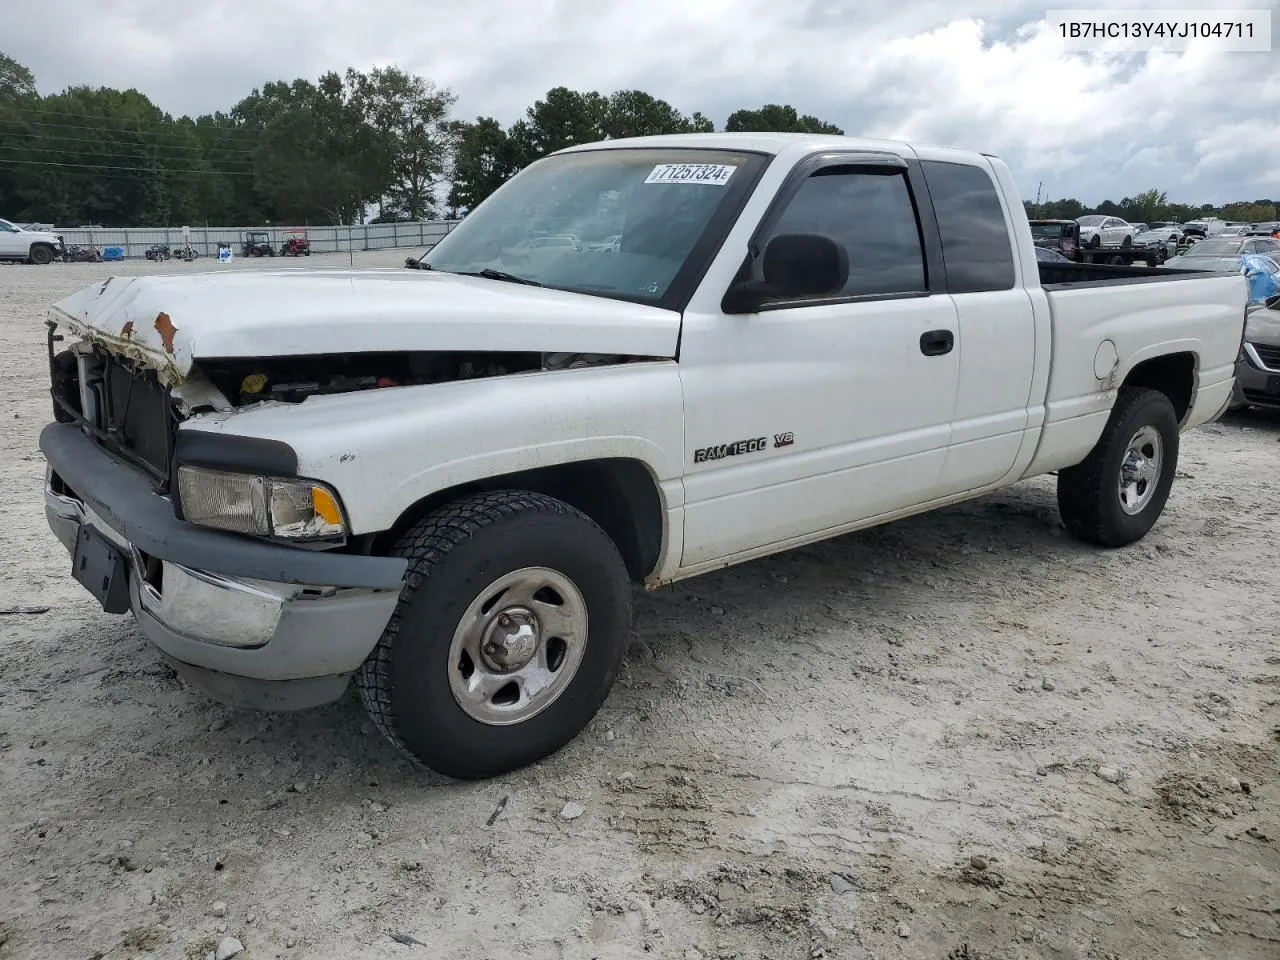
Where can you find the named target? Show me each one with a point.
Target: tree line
(330, 150)
(319, 152)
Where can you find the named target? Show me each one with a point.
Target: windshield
(1215, 248)
(1048, 230)
(7, 227)
(1090, 221)
(621, 223)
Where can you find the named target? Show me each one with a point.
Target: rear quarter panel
(1102, 331)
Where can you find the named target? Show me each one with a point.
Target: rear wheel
(507, 638)
(1115, 496)
(41, 254)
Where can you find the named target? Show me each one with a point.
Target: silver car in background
(1099, 231)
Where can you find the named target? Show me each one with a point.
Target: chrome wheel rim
(518, 646)
(1140, 470)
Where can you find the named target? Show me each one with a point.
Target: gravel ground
(960, 736)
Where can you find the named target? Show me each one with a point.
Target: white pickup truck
(443, 481)
(29, 246)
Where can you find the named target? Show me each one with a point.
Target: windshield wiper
(490, 274)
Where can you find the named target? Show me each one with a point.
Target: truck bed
(1074, 274)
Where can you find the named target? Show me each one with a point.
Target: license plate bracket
(99, 566)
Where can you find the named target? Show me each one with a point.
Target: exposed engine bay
(293, 379)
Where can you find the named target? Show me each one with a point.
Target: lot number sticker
(716, 174)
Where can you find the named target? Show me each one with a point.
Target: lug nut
(491, 648)
(504, 620)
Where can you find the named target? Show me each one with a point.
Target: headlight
(262, 506)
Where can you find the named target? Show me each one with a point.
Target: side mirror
(411, 263)
(795, 266)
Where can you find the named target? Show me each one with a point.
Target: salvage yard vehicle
(295, 244)
(29, 246)
(1258, 369)
(1223, 253)
(257, 245)
(443, 482)
(1060, 235)
(1098, 231)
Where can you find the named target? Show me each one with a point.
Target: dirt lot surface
(961, 736)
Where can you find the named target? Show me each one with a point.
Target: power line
(126, 154)
(149, 170)
(164, 117)
(154, 128)
(59, 137)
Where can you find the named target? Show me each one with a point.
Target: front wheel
(41, 255)
(507, 637)
(1115, 496)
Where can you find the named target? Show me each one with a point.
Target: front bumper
(1255, 384)
(254, 624)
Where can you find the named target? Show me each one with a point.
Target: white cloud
(987, 75)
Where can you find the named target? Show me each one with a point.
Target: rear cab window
(976, 248)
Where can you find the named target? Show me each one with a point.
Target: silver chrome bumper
(254, 643)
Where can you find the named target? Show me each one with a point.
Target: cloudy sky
(971, 73)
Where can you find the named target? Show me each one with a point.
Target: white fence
(419, 234)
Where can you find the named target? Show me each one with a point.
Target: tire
(1126, 243)
(459, 557)
(1095, 242)
(41, 254)
(1092, 495)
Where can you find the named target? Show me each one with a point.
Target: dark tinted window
(871, 214)
(975, 239)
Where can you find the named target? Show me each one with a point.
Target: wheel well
(1173, 375)
(618, 494)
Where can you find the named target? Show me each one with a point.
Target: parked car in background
(1062, 236)
(1223, 253)
(1049, 255)
(29, 246)
(1202, 228)
(1258, 369)
(1268, 228)
(1164, 236)
(1097, 231)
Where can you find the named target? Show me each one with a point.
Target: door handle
(937, 342)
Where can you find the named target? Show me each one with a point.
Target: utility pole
(1038, 186)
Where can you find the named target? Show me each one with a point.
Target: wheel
(41, 255)
(306, 253)
(1095, 241)
(507, 638)
(1126, 243)
(1116, 494)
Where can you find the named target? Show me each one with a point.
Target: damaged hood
(172, 322)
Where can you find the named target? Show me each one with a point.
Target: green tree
(16, 81)
(564, 118)
(1147, 206)
(634, 113)
(318, 159)
(411, 117)
(484, 159)
(776, 118)
(1249, 212)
